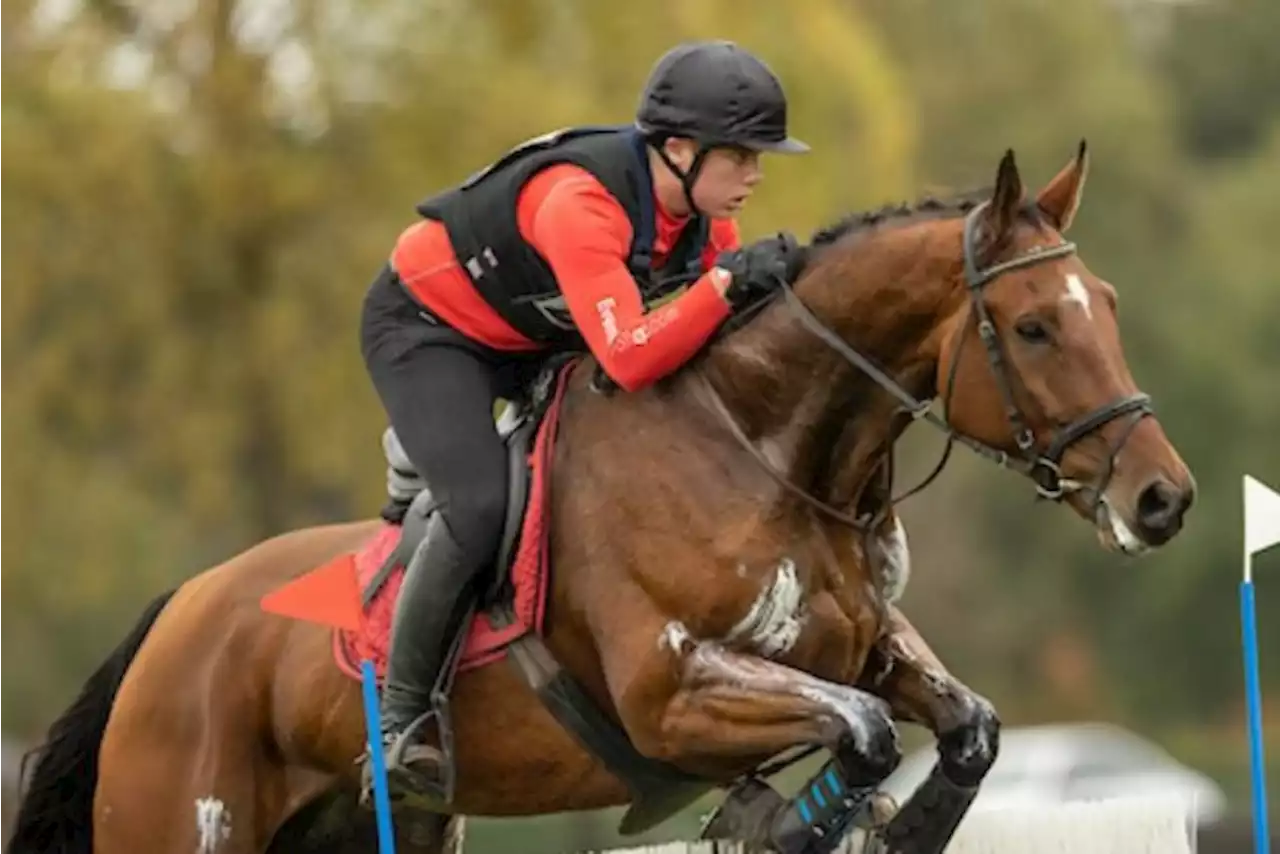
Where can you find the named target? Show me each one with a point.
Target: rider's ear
(680, 151)
(1006, 199)
(1060, 199)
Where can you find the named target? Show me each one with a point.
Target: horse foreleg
(904, 671)
(727, 704)
(727, 711)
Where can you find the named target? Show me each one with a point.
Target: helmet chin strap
(686, 178)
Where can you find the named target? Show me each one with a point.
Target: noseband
(1043, 468)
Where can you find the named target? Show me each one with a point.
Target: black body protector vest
(480, 218)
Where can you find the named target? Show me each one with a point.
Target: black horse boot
(434, 599)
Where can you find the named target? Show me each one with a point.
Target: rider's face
(726, 179)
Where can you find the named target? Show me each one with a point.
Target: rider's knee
(476, 516)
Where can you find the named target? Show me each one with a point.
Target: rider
(566, 243)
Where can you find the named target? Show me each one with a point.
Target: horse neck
(820, 420)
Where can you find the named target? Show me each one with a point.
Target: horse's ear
(1005, 200)
(1060, 199)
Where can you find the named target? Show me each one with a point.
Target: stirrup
(407, 749)
(413, 767)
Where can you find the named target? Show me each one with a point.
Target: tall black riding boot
(434, 598)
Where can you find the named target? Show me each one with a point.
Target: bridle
(1042, 467)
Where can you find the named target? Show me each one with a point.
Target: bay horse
(727, 563)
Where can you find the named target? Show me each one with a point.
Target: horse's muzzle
(1160, 509)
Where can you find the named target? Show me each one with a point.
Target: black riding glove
(760, 268)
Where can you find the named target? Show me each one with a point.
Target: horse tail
(56, 813)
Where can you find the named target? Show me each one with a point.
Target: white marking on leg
(213, 823)
(1078, 293)
(863, 714)
(777, 617)
(860, 711)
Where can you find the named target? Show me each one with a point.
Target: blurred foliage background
(199, 192)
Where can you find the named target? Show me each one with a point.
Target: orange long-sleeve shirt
(584, 235)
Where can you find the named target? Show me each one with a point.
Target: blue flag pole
(1261, 531)
(1253, 699)
(381, 798)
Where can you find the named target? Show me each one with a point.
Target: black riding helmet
(717, 94)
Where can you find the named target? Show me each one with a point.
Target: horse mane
(928, 207)
(905, 213)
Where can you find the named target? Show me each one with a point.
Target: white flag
(1261, 516)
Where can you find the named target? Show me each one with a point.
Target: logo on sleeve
(607, 319)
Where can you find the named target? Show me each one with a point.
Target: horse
(727, 565)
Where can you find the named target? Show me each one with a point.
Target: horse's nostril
(1160, 509)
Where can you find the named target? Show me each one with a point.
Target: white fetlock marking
(213, 824)
(777, 617)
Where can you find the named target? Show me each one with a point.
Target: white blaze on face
(213, 824)
(1078, 293)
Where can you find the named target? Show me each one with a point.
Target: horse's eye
(1032, 331)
